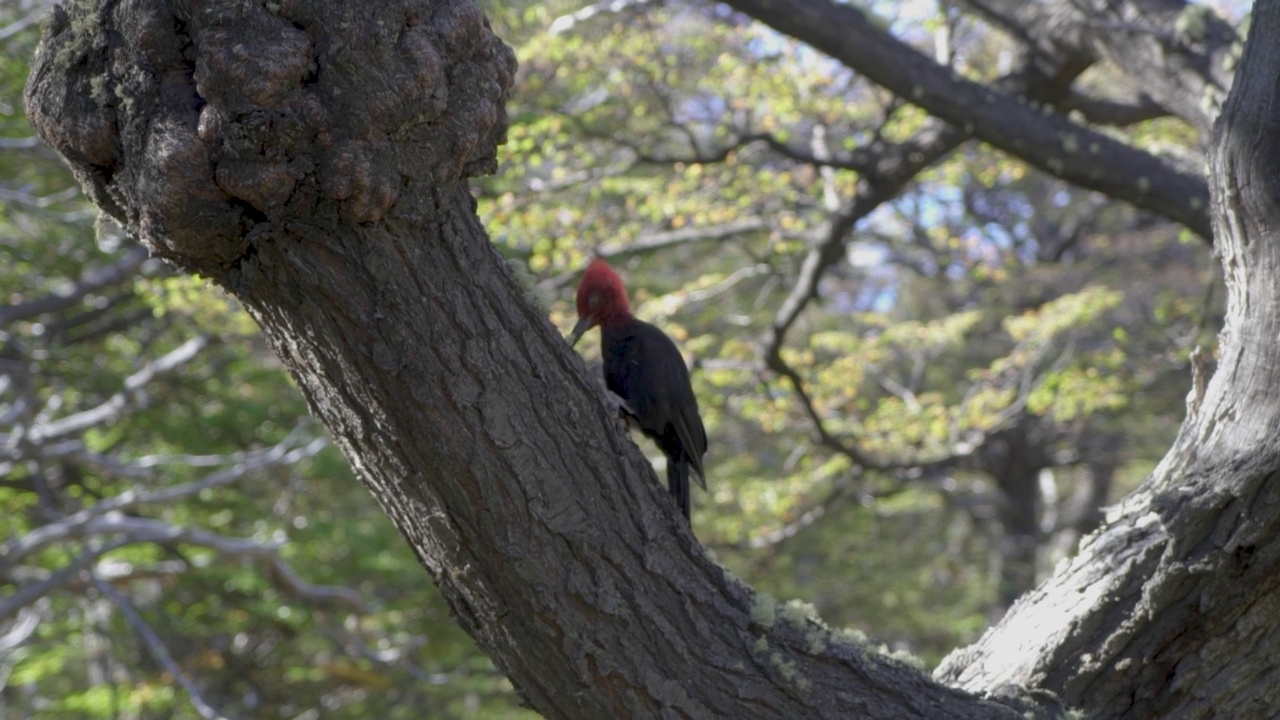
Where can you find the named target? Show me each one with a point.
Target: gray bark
(1169, 610)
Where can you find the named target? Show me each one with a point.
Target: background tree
(891, 427)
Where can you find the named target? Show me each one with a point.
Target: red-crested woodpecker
(643, 367)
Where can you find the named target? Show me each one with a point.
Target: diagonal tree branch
(156, 648)
(17, 634)
(1117, 113)
(1176, 52)
(1046, 140)
(899, 164)
(650, 242)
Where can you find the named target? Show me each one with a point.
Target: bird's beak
(584, 324)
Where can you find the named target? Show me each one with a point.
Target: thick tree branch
(347, 230)
(890, 170)
(1117, 113)
(1043, 139)
(1180, 54)
(1167, 610)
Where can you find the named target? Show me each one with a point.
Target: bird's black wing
(644, 367)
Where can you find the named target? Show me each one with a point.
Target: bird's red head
(602, 299)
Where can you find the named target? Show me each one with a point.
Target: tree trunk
(313, 159)
(1014, 462)
(1169, 610)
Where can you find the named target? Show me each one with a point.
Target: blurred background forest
(922, 382)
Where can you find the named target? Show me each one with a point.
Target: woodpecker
(643, 367)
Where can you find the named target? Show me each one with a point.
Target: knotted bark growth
(203, 127)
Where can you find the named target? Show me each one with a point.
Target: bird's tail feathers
(678, 482)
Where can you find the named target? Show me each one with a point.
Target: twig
(156, 648)
(90, 282)
(115, 406)
(73, 525)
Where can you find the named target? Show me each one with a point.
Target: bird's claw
(619, 407)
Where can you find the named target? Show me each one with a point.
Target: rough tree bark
(313, 159)
(1169, 610)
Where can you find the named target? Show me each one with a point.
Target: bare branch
(139, 530)
(1045, 139)
(34, 14)
(22, 143)
(1116, 113)
(156, 648)
(80, 524)
(115, 406)
(30, 592)
(40, 201)
(895, 388)
(822, 435)
(22, 629)
(135, 530)
(91, 282)
(860, 160)
(807, 517)
(567, 23)
(145, 466)
(899, 165)
(396, 656)
(650, 242)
